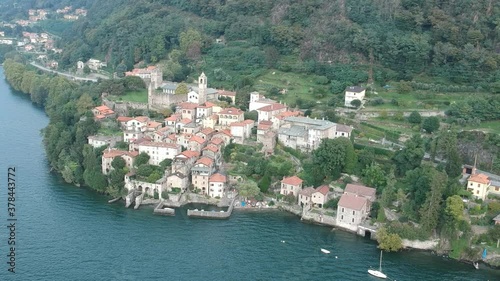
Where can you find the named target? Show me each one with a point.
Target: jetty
(114, 200)
(160, 209)
(130, 198)
(212, 214)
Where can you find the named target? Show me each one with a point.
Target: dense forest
(346, 41)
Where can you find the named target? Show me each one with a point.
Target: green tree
(120, 70)
(252, 115)
(248, 188)
(265, 182)
(290, 198)
(389, 242)
(415, 118)
(86, 69)
(356, 103)
(410, 157)
(334, 155)
(141, 159)
(118, 163)
(374, 176)
(181, 89)
(431, 124)
(430, 210)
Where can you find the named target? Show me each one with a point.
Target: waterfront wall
(421, 245)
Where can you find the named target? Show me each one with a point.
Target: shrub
(271, 203)
(164, 194)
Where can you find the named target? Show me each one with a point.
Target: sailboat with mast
(378, 273)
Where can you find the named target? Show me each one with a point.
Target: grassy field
(416, 100)
(297, 86)
(487, 126)
(138, 96)
(109, 132)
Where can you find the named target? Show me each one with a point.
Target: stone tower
(202, 88)
(156, 77)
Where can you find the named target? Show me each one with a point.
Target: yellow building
(479, 185)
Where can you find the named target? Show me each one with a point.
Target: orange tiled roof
(217, 178)
(308, 191)
(360, 190)
(205, 161)
(207, 131)
(188, 105)
(231, 111)
(197, 139)
(479, 178)
(286, 114)
(174, 117)
(142, 119)
(264, 125)
(212, 147)
(160, 144)
(185, 121)
(123, 119)
(324, 189)
(216, 141)
(226, 93)
(190, 153)
(272, 107)
(153, 124)
(352, 202)
(114, 153)
(294, 180)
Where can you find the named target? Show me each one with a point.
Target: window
(471, 184)
(353, 213)
(478, 185)
(353, 220)
(342, 210)
(477, 191)
(497, 188)
(342, 217)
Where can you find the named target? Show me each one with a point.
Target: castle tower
(156, 77)
(202, 88)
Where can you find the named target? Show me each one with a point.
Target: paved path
(67, 75)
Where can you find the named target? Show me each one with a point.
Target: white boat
(325, 251)
(476, 265)
(378, 273)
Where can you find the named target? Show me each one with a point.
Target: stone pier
(212, 214)
(160, 210)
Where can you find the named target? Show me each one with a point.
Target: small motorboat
(325, 251)
(476, 265)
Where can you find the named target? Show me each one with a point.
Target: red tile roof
(360, 190)
(207, 131)
(237, 124)
(190, 153)
(153, 124)
(226, 93)
(352, 202)
(212, 147)
(216, 141)
(185, 121)
(142, 119)
(173, 117)
(294, 180)
(308, 191)
(249, 121)
(217, 178)
(188, 105)
(197, 139)
(114, 153)
(324, 189)
(160, 144)
(286, 114)
(124, 119)
(264, 125)
(272, 107)
(231, 111)
(205, 161)
(479, 178)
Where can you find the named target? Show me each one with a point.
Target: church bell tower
(202, 88)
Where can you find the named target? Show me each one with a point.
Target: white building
(159, 151)
(258, 101)
(305, 133)
(217, 185)
(354, 93)
(98, 141)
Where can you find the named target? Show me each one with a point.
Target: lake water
(69, 233)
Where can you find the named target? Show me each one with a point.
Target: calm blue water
(70, 233)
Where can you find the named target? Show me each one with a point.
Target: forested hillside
(457, 41)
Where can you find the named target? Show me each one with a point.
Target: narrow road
(67, 75)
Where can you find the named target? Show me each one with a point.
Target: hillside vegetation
(451, 41)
